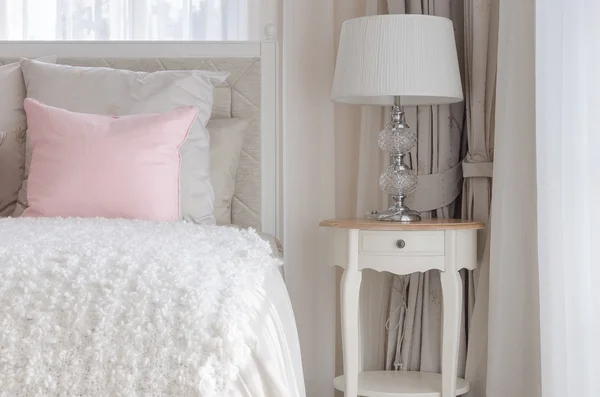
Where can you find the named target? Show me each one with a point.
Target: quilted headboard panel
(239, 96)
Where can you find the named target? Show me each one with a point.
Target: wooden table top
(425, 224)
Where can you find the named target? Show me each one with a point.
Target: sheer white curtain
(544, 311)
(568, 180)
(130, 19)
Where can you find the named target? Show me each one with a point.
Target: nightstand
(447, 245)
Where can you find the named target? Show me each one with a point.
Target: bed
(272, 365)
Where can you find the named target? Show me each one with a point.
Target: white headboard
(260, 204)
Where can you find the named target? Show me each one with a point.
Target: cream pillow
(123, 92)
(13, 123)
(226, 142)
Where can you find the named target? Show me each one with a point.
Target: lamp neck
(397, 114)
(397, 161)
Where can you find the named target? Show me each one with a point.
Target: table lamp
(398, 60)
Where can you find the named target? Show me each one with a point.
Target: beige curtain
(481, 60)
(414, 337)
(513, 337)
(415, 302)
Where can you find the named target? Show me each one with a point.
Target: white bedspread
(126, 308)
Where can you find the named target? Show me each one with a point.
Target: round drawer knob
(400, 244)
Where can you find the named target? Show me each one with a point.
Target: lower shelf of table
(401, 384)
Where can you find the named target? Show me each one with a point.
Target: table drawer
(401, 243)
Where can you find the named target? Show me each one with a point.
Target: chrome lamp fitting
(398, 180)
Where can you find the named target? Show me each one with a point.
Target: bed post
(271, 211)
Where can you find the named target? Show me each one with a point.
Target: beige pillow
(99, 90)
(13, 123)
(226, 142)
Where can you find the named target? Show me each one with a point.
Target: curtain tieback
(436, 190)
(472, 168)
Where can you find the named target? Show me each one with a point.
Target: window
(130, 20)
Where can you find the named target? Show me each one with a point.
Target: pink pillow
(87, 165)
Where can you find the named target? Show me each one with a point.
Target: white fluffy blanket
(96, 307)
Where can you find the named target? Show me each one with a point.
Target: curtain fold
(481, 62)
(415, 306)
(481, 59)
(513, 349)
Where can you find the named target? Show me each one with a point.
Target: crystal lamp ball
(397, 182)
(397, 140)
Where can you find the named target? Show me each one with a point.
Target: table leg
(452, 291)
(349, 301)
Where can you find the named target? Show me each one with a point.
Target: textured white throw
(96, 307)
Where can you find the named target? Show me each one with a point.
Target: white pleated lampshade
(409, 56)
